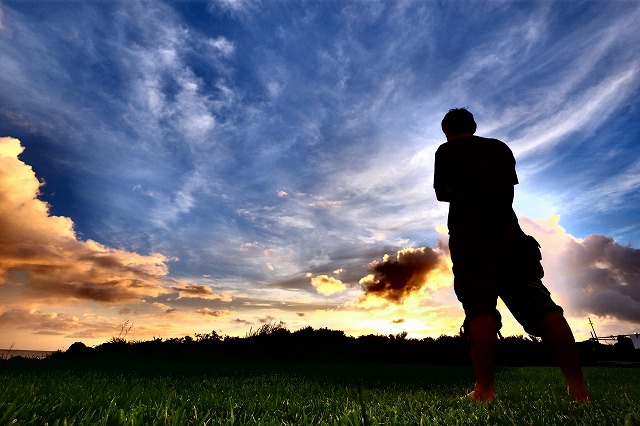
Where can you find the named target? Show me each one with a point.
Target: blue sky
(259, 145)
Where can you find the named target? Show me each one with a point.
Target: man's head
(458, 122)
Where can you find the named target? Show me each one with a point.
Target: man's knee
(536, 324)
(479, 321)
(553, 320)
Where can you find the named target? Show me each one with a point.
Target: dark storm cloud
(395, 278)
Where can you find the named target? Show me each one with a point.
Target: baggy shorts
(513, 272)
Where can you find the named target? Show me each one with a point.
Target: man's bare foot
(481, 395)
(579, 393)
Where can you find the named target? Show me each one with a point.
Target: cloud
(213, 312)
(594, 275)
(267, 320)
(199, 291)
(36, 320)
(394, 279)
(612, 193)
(318, 149)
(607, 276)
(58, 324)
(589, 109)
(223, 45)
(590, 276)
(327, 286)
(234, 6)
(41, 257)
(166, 309)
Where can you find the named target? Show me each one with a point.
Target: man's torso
(481, 174)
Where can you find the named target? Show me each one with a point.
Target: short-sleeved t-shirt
(480, 173)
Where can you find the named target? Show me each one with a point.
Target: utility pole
(595, 336)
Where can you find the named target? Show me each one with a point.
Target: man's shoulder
(492, 141)
(466, 142)
(443, 147)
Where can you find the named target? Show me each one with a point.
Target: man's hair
(458, 120)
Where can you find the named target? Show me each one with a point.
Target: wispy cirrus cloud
(583, 112)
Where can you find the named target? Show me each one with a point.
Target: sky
(194, 166)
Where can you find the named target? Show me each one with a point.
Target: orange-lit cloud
(393, 279)
(327, 286)
(166, 309)
(44, 267)
(199, 291)
(213, 312)
(45, 324)
(42, 259)
(589, 277)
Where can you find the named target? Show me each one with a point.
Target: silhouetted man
(492, 257)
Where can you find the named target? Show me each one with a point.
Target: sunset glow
(183, 167)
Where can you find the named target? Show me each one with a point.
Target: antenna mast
(595, 336)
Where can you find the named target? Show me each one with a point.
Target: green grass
(311, 394)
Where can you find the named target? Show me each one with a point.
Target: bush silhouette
(273, 342)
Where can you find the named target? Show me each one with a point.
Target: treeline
(275, 343)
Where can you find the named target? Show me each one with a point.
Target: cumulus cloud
(594, 275)
(41, 257)
(394, 278)
(327, 285)
(590, 276)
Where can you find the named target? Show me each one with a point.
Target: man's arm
(441, 176)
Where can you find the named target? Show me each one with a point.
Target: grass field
(37, 393)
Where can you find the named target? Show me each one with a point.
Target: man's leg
(483, 334)
(558, 338)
